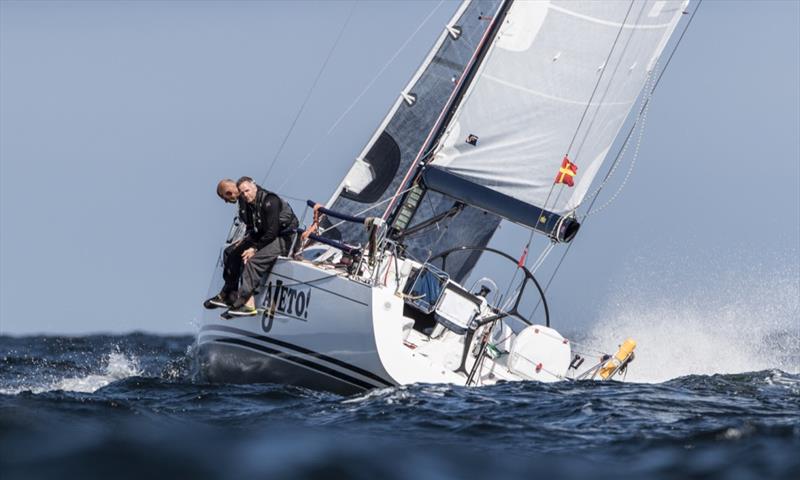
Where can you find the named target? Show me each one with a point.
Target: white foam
(726, 324)
(117, 366)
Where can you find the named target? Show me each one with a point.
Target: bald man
(270, 222)
(228, 191)
(232, 257)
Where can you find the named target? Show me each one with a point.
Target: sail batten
(572, 101)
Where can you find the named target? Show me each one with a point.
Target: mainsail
(558, 83)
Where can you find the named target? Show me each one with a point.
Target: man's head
(227, 190)
(247, 188)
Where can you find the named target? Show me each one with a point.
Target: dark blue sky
(118, 118)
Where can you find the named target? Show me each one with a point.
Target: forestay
(521, 113)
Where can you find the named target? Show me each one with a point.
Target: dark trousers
(252, 273)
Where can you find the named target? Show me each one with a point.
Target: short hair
(244, 179)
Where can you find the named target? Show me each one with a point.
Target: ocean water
(131, 406)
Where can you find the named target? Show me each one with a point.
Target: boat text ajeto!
(289, 301)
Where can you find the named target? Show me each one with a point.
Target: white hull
(323, 329)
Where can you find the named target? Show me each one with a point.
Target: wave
(116, 366)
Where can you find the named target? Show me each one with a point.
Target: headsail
(382, 165)
(520, 117)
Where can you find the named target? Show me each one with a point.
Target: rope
(606, 66)
(310, 92)
(580, 123)
(362, 212)
(589, 209)
(646, 103)
(641, 120)
(335, 124)
(597, 84)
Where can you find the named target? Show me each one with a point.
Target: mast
(399, 214)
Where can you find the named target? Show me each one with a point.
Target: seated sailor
(270, 222)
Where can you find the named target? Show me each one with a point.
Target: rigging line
(647, 102)
(311, 90)
(443, 230)
(642, 121)
(589, 209)
(539, 261)
(610, 81)
(385, 66)
(431, 226)
(600, 78)
(362, 212)
(363, 92)
(626, 143)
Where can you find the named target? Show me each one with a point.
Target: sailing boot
(217, 301)
(243, 311)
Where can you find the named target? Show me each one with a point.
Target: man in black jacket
(269, 222)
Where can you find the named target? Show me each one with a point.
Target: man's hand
(248, 254)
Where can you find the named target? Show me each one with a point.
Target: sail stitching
(633, 26)
(549, 97)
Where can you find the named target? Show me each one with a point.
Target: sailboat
(510, 117)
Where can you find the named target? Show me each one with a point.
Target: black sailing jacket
(266, 218)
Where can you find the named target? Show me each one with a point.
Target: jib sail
(389, 155)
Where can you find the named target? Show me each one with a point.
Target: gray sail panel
(381, 167)
(471, 227)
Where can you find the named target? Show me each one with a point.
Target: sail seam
(550, 97)
(607, 22)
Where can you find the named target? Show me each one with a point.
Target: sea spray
(117, 367)
(47, 375)
(723, 322)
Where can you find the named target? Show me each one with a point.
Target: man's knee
(233, 249)
(233, 254)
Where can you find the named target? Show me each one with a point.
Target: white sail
(532, 90)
